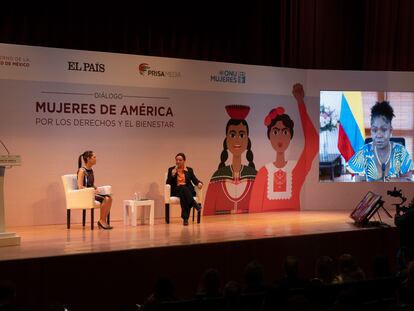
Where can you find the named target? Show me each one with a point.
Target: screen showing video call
(366, 136)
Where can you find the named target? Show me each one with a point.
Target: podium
(6, 238)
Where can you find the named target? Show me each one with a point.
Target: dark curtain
(318, 34)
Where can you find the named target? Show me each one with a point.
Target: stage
(56, 240)
(78, 266)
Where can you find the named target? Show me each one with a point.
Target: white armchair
(175, 201)
(78, 199)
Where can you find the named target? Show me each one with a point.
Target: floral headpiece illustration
(273, 114)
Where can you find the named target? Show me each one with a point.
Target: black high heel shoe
(104, 227)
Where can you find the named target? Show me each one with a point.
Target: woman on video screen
(381, 159)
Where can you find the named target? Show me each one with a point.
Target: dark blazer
(190, 179)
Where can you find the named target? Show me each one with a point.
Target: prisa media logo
(229, 76)
(145, 70)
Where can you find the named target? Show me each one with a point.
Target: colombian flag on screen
(351, 133)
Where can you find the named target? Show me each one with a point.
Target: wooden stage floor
(77, 266)
(56, 240)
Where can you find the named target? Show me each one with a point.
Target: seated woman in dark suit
(182, 181)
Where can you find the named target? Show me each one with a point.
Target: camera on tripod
(399, 208)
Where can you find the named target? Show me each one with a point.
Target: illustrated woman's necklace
(383, 165)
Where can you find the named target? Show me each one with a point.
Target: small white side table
(131, 210)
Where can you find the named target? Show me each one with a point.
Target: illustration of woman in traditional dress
(278, 184)
(230, 186)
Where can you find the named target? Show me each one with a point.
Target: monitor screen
(366, 136)
(366, 208)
